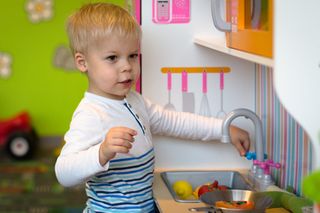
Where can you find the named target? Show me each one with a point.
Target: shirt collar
(102, 99)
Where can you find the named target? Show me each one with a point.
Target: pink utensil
(169, 105)
(204, 105)
(187, 97)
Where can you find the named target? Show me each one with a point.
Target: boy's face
(112, 66)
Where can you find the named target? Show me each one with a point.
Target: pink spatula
(169, 105)
(204, 105)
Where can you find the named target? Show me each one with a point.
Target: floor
(31, 187)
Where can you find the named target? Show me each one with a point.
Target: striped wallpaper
(285, 141)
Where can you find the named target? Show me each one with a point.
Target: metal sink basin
(232, 179)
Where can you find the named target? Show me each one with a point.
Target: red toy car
(18, 137)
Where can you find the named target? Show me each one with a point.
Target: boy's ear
(80, 62)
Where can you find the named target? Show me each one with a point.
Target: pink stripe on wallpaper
(285, 140)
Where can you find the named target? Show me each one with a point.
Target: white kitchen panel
(171, 45)
(297, 64)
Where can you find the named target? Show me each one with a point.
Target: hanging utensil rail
(195, 69)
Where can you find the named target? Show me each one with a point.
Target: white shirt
(95, 115)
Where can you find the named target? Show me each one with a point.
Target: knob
(266, 165)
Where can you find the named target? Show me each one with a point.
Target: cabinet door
(252, 26)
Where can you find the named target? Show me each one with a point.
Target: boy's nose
(126, 66)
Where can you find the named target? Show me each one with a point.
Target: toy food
(183, 189)
(311, 186)
(211, 187)
(235, 204)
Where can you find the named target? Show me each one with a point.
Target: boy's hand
(240, 139)
(118, 140)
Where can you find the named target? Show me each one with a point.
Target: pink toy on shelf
(170, 11)
(266, 165)
(180, 11)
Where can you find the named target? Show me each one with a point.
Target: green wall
(48, 93)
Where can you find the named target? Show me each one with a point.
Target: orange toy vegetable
(235, 204)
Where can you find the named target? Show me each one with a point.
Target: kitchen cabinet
(251, 26)
(248, 27)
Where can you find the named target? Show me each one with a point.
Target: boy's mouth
(126, 81)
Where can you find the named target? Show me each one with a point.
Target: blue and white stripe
(125, 187)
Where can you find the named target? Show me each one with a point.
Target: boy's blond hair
(97, 20)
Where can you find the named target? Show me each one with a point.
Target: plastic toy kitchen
(249, 50)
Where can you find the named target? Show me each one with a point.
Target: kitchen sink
(232, 179)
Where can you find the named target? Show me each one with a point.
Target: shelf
(219, 44)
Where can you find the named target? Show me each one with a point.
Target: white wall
(171, 45)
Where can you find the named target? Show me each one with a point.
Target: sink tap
(257, 173)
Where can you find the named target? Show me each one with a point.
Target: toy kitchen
(236, 54)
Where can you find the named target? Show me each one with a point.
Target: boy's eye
(111, 58)
(135, 55)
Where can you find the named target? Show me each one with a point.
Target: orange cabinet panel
(251, 26)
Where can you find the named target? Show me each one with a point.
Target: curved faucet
(260, 172)
(258, 132)
(258, 129)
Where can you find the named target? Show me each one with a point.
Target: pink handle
(204, 82)
(184, 81)
(266, 165)
(169, 81)
(221, 80)
(137, 10)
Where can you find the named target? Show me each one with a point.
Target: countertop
(166, 203)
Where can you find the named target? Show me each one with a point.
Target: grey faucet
(256, 172)
(257, 124)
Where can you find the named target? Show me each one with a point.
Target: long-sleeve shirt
(124, 184)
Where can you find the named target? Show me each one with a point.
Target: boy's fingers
(122, 142)
(123, 136)
(246, 144)
(239, 146)
(240, 149)
(121, 149)
(127, 130)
